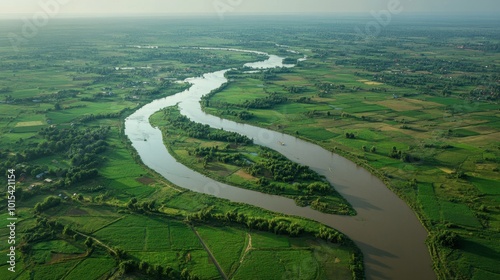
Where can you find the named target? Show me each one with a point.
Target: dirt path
(249, 247)
(97, 241)
(243, 255)
(221, 272)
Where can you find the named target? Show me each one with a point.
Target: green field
(227, 245)
(419, 101)
(236, 161)
(436, 146)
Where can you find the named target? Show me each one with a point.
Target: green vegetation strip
(232, 158)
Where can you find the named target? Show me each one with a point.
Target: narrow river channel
(385, 229)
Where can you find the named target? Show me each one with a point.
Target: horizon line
(20, 16)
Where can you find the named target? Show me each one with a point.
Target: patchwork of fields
(440, 153)
(416, 106)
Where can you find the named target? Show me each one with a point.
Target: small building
(48, 180)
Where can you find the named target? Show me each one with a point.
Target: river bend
(385, 228)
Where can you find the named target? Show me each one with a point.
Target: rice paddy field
(160, 240)
(129, 223)
(236, 172)
(450, 142)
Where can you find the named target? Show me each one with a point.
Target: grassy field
(449, 175)
(227, 245)
(86, 81)
(161, 239)
(237, 172)
(408, 91)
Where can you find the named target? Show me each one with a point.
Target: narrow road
(210, 255)
(249, 247)
(97, 241)
(243, 254)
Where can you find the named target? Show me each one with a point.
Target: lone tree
(446, 238)
(89, 242)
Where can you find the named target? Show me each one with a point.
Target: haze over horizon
(75, 8)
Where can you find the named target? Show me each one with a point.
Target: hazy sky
(121, 7)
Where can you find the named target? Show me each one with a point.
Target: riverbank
(232, 159)
(383, 224)
(428, 162)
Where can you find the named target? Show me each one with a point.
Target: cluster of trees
(200, 131)
(81, 147)
(295, 89)
(103, 71)
(58, 96)
(43, 230)
(438, 146)
(242, 115)
(350, 135)
(191, 57)
(75, 142)
(289, 60)
(5, 90)
(356, 266)
(48, 202)
(263, 103)
(491, 92)
(405, 157)
(314, 188)
(141, 207)
(280, 168)
(267, 187)
(485, 85)
(213, 153)
(483, 46)
(267, 102)
(321, 206)
(92, 117)
(439, 82)
(303, 99)
(326, 89)
(445, 238)
(440, 66)
(92, 189)
(331, 235)
(77, 174)
(274, 225)
(155, 271)
(97, 96)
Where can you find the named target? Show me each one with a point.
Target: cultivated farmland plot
(416, 105)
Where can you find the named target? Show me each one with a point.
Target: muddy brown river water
(386, 230)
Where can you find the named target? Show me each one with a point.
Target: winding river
(385, 228)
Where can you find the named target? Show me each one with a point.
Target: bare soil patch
(145, 180)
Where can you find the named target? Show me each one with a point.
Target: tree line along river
(386, 230)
